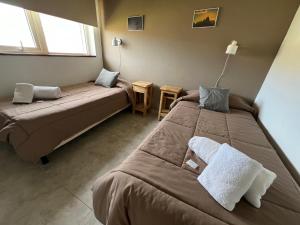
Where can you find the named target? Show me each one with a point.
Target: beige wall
(279, 97)
(169, 51)
(48, 70)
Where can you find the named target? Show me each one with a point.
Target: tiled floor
(60, 192)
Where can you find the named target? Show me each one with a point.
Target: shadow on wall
(291, 168)
(107, 10)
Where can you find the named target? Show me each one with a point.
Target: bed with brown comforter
(154, 186)
(36, 129)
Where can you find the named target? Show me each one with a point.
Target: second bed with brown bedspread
(155, 186)
(35, 130)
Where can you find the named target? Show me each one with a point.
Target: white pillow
(229, 175)
(46, 92)
(260, 185)
(23, 93)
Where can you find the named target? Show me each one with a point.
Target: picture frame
(205, 18)
(135, 23)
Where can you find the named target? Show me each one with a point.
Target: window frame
(36, 29)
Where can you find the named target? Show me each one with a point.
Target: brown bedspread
(34, 130)
(154, 186)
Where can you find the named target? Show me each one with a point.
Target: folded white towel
(23, 93)
(206, 148)
(260, 185)
(203, 147)
(46, 92)
(229, 175)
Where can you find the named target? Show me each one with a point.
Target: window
(24, 31)
(15, 30)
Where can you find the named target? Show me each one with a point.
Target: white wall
(279, 98)
(48, 70)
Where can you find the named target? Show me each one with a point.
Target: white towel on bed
(206, 148)
(46, 92)
(23, 93)
(229, 176)
(203, 147)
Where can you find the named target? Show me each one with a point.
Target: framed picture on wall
(135, 23)
(205, 18)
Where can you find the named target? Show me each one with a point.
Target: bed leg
(44, 160)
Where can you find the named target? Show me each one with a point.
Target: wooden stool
(168, 95)
(142, 91)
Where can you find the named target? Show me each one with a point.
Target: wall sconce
(116, 41)
(231, 50)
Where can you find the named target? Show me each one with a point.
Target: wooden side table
(142, 91)
(168, 94)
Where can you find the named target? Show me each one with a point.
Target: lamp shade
(116, 42)
(232, 48)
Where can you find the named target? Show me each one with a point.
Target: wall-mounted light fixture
(231, 50)
(116, 41)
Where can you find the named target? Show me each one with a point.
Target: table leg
(145, 103)
(134, 102)
(160, 104)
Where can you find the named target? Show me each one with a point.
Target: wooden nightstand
(168, 94)
(142, 91)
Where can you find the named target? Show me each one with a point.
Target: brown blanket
(34, 130)
(155, 186)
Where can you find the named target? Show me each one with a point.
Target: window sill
(51, 55)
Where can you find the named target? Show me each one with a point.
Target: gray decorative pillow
(215, 99)
(107, 78)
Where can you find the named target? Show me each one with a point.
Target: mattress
(155, 186)
(34, 130)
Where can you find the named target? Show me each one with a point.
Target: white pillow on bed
(107, 78)
(46, 92)
(23, 93)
